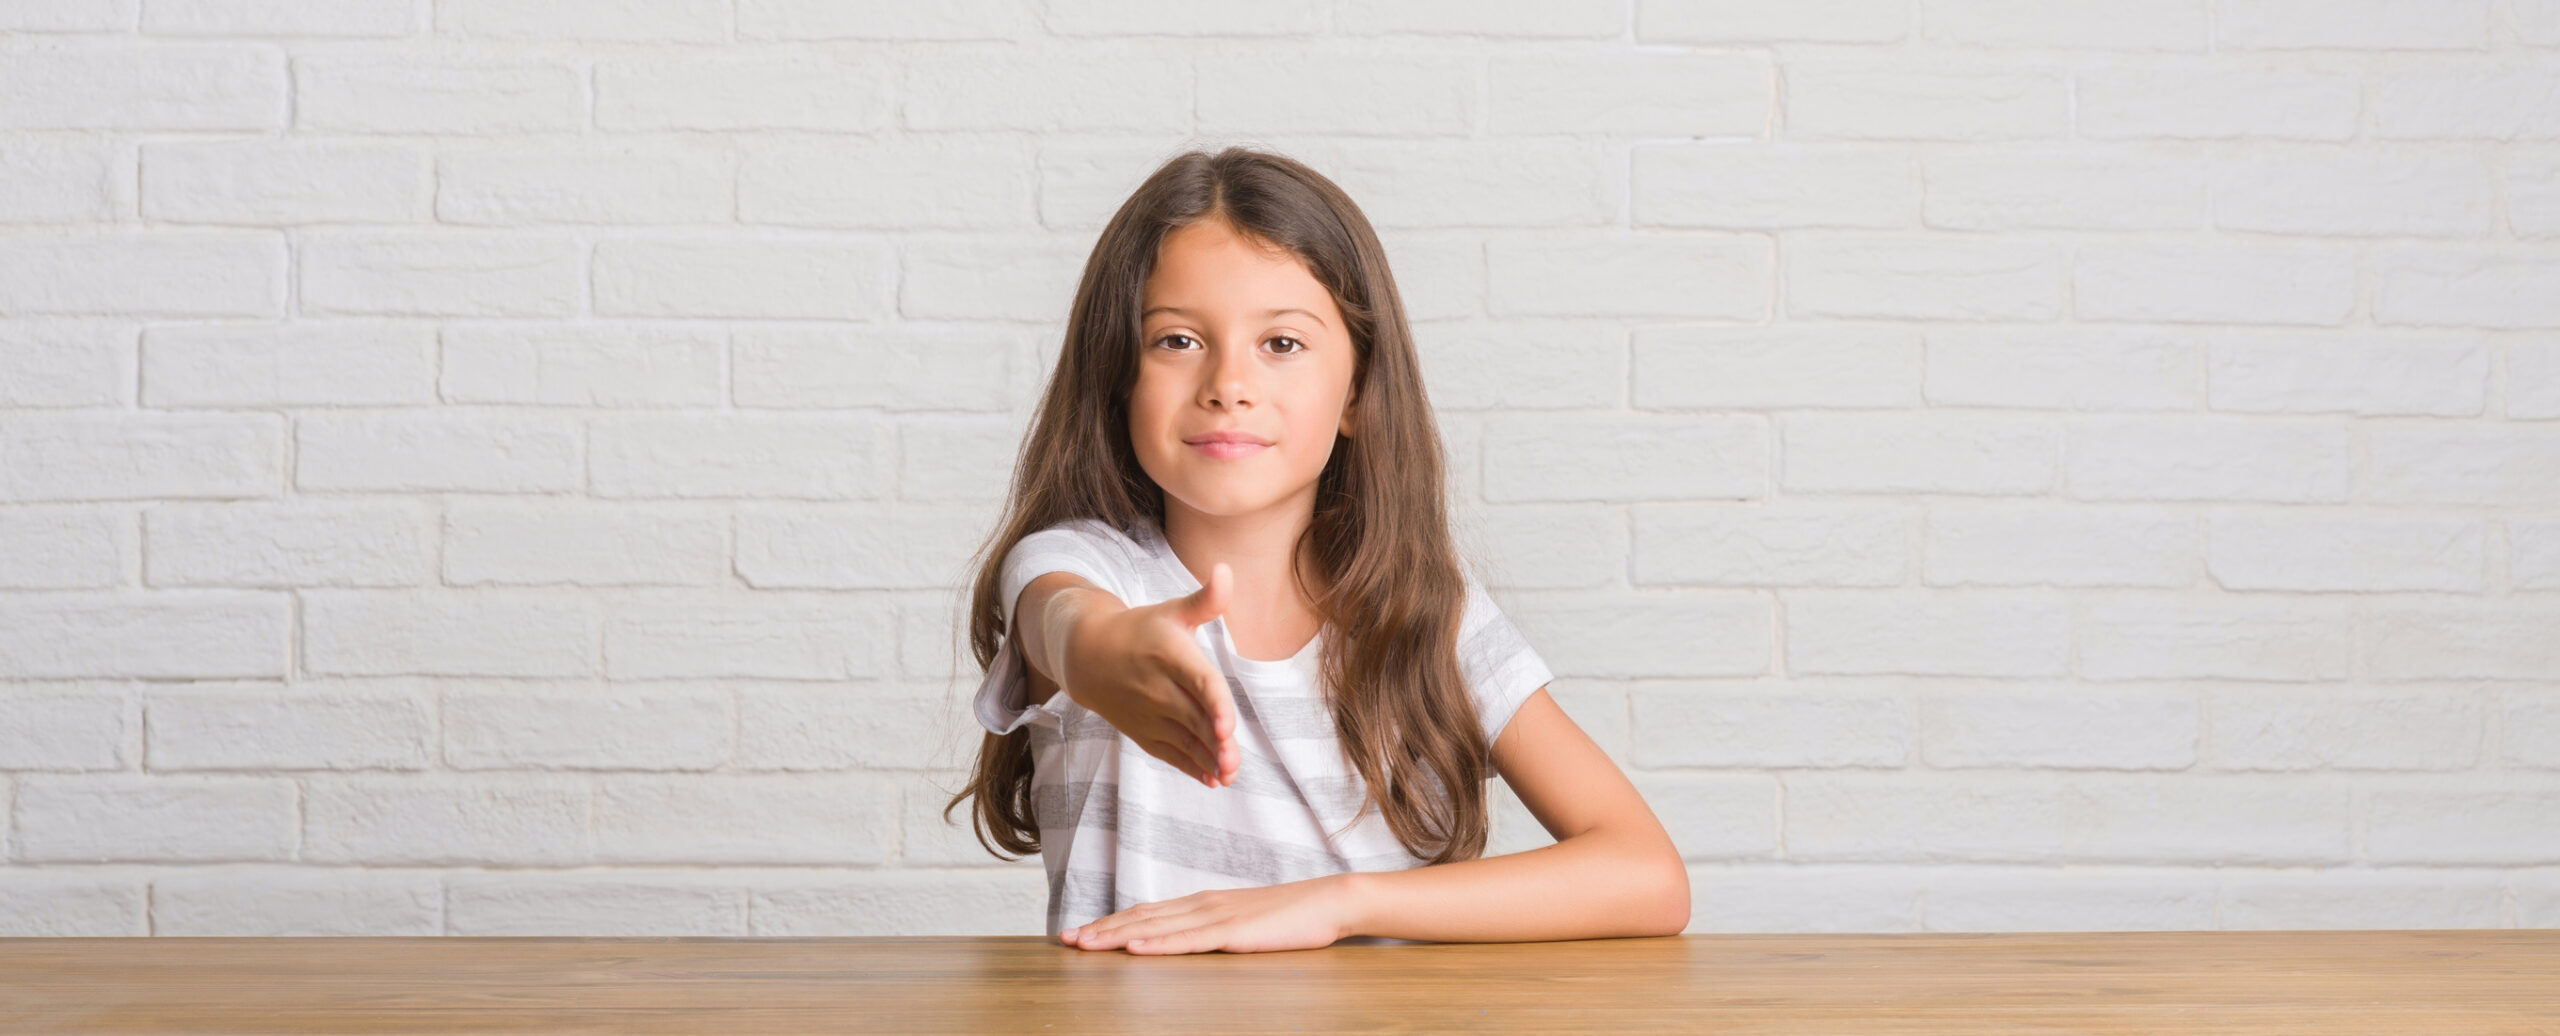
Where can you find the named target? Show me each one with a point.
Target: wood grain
(2456, 981)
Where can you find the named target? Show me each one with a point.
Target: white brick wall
(475, 467)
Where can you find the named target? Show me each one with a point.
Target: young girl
(1241, 693)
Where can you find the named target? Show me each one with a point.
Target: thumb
(1208, 602)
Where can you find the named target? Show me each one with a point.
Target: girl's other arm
(1612, 872)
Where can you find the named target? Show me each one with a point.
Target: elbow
(1662, 876)
(1671, 901)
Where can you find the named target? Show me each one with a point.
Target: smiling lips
(1229, 444)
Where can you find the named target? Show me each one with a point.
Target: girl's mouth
(1228, 450)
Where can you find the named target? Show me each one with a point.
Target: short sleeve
(1084, 547)
(1502, 670)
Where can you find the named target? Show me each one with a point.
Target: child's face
(1226, 362)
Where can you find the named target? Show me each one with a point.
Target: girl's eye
(1299, 346)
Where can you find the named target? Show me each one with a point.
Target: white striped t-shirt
(1119, 827)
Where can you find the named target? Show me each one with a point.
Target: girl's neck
(1261, 553)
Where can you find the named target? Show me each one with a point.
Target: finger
(1217, 723)
(1099, 926)
(1188, 940)
(1177, 750)
(1149, 927)
(1084, 933)
(1210, 601)
(1217, 704)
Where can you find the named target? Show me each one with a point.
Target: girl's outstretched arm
(1612, 872)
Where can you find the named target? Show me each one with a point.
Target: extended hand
(1296, 915)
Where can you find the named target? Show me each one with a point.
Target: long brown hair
(1379, 540)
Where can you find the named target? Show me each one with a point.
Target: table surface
(2454, 981)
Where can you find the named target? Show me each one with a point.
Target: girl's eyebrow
(1179, 311)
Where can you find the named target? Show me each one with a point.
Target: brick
(382, 93)
(2466, 286)
(620, 182)
(119, 818)
(1772, 367)
(1353, 91)
(1593, 273)
(907, 369)
(440, 273)
(1009, 277)
(2079, 186)
(795, 457)
(829, 93)
(2168, 637)
(1789, 543)
(1581, 19)
(609, 364)
(502, 820)
(829, 20)
(1745, 21)
(282, 183)
(47, 181)
(431, 450)
(907, 547)
(316, 363)
(1935, 99)
(1530, 182)
(1625, 457)
(2454, 820)
(200, 636)
(2342, 728)
(2043, 545)
(2207, 99)
(141, 456)
(2179, 25)
(2195, 458)
(71, 728)
(1803, 724)
(1111, 86)
(1523, 364)
(279, 17)
(713, 277)
(2490, 464)
(191, 87)
(1896, 276)
(930, 182)
(629, 902)
(289, 900)
(2011, 633)
(548, 542)
(287, 544)
(64, 548)
(782, 638)
(2065, 368)
(2050, 728)
(2357, 24)
(1978, 454)
(586, 728)
(210, 273)
(2363, 373)
(244, 727)
(1771, 185)
(645, 21)
(348, 632)
(65, 363)
(2461, 640)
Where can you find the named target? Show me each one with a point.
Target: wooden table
(2463, 981)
